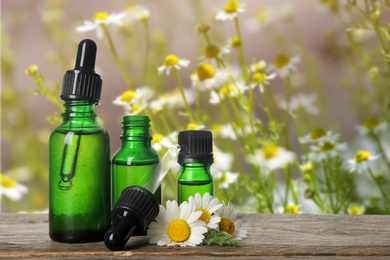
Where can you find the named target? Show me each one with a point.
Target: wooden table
(269, 236)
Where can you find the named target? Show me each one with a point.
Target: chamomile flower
(138, 12)
(177, 226)
(284, 64)
(259, 66)
(213, 51)
(306, 167)
(272, 157)
(235, 42)
(229, 223)
(193, 126)
(172, 99)
(228, 90)
(222, 160)
(101, 18)
(291, 209)
(32, 70)
(11, 188)
(259, 79)
(356, 210)
(227, 179)
(227, 132)
(302, 101)
(359, 162)
(319, 135)
(262, 17)
(372, 125)
(172, 61)
(159, 142)
(207, 77)
(231, 10)
(208, 206)
(134, 101)
(325, 150)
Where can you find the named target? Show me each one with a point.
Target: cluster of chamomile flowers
(186, 224)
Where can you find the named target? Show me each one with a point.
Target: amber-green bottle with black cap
(195, 158)
(79, 158)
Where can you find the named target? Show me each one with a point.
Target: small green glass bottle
(195, 158)
(135, 160)
(79, 158)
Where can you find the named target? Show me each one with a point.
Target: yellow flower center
(262, 14)
(205, 71)
(31, 70)
(232, 7)
(281, 60)
(362, 156)
(327, 146)
(227, 225)
(226, 90)
(372, 123)
(171, 60)
(225, 179)
(157, 138)
(270, 151)
(127, 96)
(192, 126)
(235, 42)
(291, 209)
(179, 231)
(136, 108)
(317, 133)
(259, 78)
(307, 167)
(100, 16)
(205, 216)
(211, 51)
(356, 210)
(216, 128)
(259, 66)
(6, 182)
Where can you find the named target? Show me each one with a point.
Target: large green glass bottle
(195, 158)
(135, 160)
(79, 158)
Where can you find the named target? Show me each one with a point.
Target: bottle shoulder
(131, 156)
(195, 174)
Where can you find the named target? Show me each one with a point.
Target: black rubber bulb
(86, 56)
(135, 209)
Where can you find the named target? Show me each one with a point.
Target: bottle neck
(79, 111)
(136, 132)
(195, 167)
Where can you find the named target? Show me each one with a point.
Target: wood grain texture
(269, 235)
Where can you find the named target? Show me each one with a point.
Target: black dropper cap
(135, 209)
(82, 83)
(196, 146)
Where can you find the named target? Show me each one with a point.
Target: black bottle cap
(196, 146)
(135, 209)
(82, 83)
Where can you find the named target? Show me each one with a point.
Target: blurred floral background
(296, 94)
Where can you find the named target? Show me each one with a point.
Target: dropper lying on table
(137, 207)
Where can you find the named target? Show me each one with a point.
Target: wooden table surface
(269, 236)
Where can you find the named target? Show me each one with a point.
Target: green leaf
(219, 238)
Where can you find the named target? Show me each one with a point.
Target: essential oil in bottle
(79, 158)
(136, 160)
(195, 158)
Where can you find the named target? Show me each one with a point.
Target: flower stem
(287, 116)
(329, 186)
(377, 140)
(38, 80)
(116, 57)
(189, 112)
(166, 125)
(242, 53)
(267, 108)
(273, 103)
(147, 51)
(378, 183)
(198, 106)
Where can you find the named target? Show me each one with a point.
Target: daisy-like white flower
(208, 206)
(259, 66)
(272, 157)
(372, 125)
(228, 90)
(177, 226)
(319, 135)
(11, 188)
(222, 161)
(259, 79)
(138, 12)
(159, 142)
(213, 51)
(134, 102)
(193, 126)
(101, 18)
(235, 42)
(359, 162)
(228, 178)
(231, 10)
(262, 17)
(284, 64)
(307, 167)
(207, 77)
(227, 132)
(304, 102)
(172, 61)
(325, 150)
(229, 222)
(291, 209)
(356, 210)
(172, 99)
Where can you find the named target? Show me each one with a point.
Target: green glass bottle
(79, 158)
(135, 160)
(195, 158)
